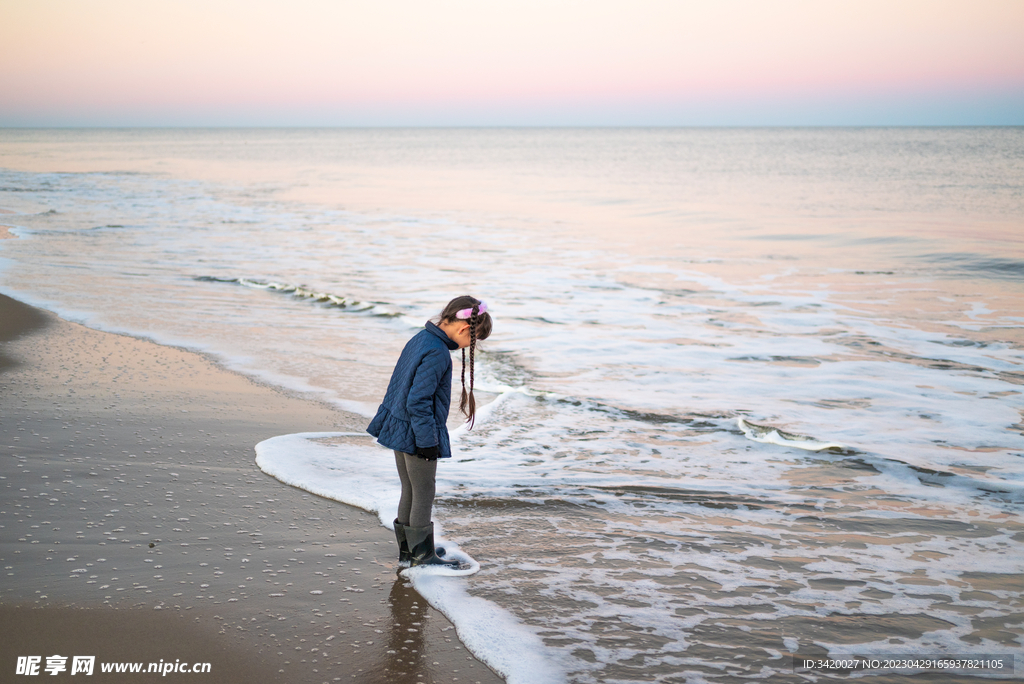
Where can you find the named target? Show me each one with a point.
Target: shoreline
(131, 500)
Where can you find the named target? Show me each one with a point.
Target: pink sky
(480, 62)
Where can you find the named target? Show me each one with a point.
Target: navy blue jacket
(414, 412)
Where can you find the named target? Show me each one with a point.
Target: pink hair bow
(466, 313)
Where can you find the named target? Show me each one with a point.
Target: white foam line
(491, 633)
(362, 476)
(899, 476)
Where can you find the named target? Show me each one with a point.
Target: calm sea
(753, 392)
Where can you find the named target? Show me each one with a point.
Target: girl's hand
(428, 453)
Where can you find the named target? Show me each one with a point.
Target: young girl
(413, 417)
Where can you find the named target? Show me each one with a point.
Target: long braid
(462, 399)
(472, 354)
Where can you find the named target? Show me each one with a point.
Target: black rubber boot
(421, 547)
(404, 557)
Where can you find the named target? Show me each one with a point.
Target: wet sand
(135, 526)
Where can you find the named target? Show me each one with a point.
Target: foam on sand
(351, 468)
(494, 635)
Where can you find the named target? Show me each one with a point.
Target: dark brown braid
(462, 399)
(479, 329)
(471, 414)
(467, 402)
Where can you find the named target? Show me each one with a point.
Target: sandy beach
(137, 528)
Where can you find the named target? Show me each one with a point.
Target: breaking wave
(308, 294)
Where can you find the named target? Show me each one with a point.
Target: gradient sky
(521, 62)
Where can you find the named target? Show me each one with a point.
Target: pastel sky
(521, 62)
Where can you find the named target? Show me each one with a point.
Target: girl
(413, 417)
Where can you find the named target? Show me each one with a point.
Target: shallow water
(652, 289)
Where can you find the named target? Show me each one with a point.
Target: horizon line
(484, 126)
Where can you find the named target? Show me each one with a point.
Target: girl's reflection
(404, 660)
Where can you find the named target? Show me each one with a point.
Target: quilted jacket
(414, 412)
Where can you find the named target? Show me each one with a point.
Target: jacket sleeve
(420, 401)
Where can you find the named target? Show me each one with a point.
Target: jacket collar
(440, 333)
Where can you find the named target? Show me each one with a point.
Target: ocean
(751, 393)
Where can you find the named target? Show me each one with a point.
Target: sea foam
(351, 468)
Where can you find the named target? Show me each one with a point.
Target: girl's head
(466, 321)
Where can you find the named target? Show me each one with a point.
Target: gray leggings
(417, 476)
